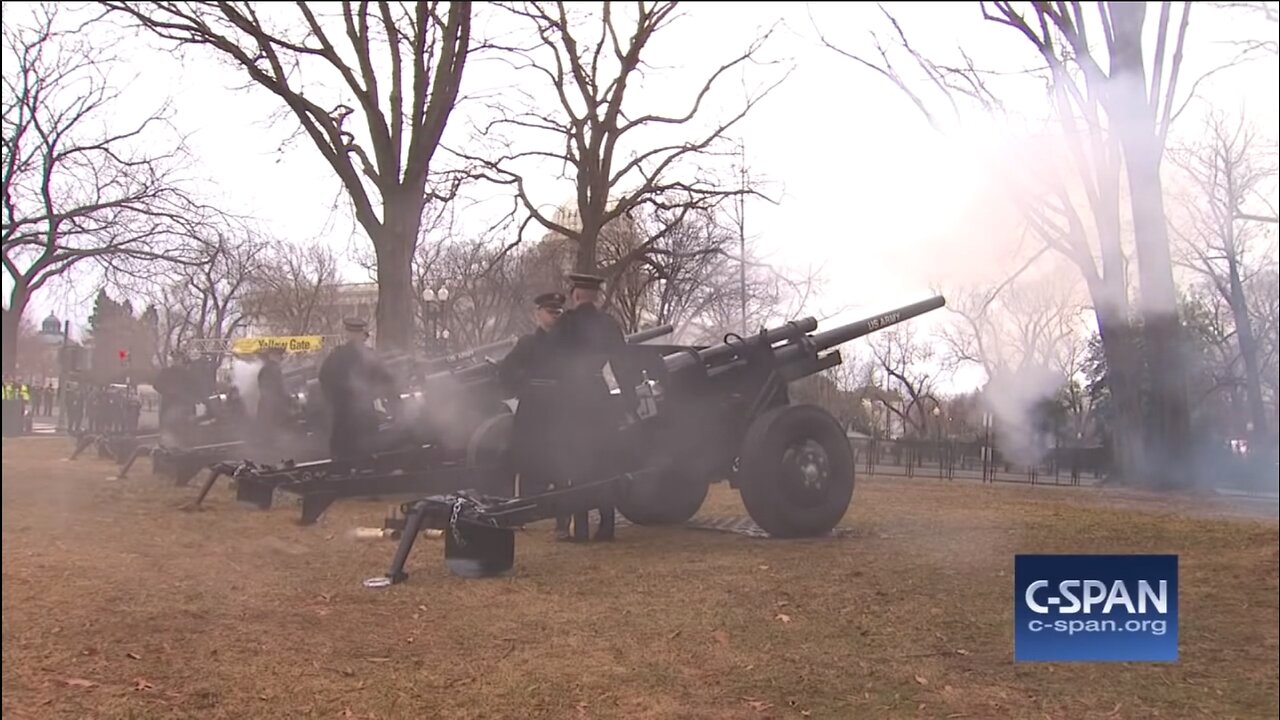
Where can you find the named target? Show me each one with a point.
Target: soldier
(352, 379)
(585, 339)
(75, 409)
(528, 374)
(132, 411)
(273, 416)
(176, 385)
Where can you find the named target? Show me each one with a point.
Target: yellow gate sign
(296, 344)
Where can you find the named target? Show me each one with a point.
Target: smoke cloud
(244, 376)
(1014, 399)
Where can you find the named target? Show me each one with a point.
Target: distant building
(342, 301)
(354, 300)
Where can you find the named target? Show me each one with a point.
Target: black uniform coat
(585, 340)
(273, 398)
(528, 374)
(352, 379)
(176, 385)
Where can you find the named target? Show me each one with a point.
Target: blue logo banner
(1095, 608)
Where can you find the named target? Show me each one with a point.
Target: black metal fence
(974, 460)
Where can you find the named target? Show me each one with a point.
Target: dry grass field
(117, 604)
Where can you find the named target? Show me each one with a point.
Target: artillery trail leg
(412, 526)
(82, 443)
(133, 457)
(314, 505)
(207, 486)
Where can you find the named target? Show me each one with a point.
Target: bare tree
(1230, 174)
(908, 386)
(580, 114)
(1112, 104)
(388, 173)
(1031, 321)
(489, 299)
(75, 191)
(1267, 11)
(208, 301)
(294, 290)
(1264, 313)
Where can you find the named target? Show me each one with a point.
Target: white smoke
(1015, 400)
(244, 376)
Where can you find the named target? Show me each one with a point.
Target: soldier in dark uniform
(75, 397)
(274, 415)
(586, 339)
(176, 386)
(528, 374)
(352, 379)
(132, 412)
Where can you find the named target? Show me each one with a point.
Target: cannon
(454, 427)
(218, 433)
(706, 414)
(111, 446)
(220, 438)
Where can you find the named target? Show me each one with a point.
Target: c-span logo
(1095, 608)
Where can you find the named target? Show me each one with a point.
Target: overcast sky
(866, 188)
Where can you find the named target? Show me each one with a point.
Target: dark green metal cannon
(706, 415)
(453, 428)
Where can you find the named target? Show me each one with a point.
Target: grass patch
(118, 605)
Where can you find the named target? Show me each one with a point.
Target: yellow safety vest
(26, 395)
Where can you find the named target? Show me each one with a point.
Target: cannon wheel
(670, 500)
(488, 447)
(796, 471)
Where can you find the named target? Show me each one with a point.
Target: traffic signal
(124, 357)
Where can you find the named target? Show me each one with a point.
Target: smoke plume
(244, 376)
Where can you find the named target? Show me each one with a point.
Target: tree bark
(1136, 125)
(394, 246)
(18, 300)
(1124, 381)
(1249, 351)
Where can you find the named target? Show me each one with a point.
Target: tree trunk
(12, 324)
(394, 246)
(585, 262)
(1124, 380)
(1248, 351)
(1135, 124)
(1166, 365)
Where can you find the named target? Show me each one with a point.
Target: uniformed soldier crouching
(585, 339)
(528, 373)
(352, 380)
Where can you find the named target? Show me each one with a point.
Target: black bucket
(484, 550)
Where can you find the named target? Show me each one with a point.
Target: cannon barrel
(854, 330)
(482, 371)
(481, 351)
(401, 360)
(647, 335)
(690, 358)
(791, 352)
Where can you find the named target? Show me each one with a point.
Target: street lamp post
(436, 303)
(937, 434)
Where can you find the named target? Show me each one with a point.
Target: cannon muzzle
(650, 334)
(854, 330)
(483, 350)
